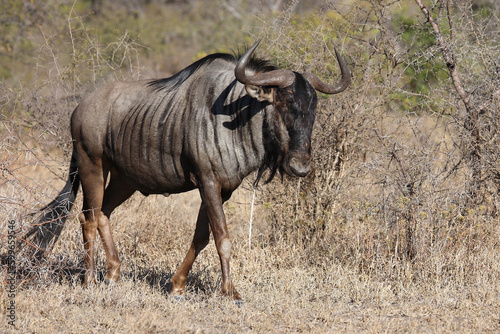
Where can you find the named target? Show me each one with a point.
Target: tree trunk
(471, 123)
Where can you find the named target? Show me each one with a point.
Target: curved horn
(322, 87)
(280, 78)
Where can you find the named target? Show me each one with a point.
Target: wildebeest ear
(260, 93)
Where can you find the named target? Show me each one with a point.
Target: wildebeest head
(294, 98)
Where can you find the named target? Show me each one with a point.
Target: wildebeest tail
(45, 233)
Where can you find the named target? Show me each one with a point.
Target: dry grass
(287, 300)
(284, 289)
(382, 238)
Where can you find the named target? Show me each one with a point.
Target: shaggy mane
(259, 65)
(274, 154)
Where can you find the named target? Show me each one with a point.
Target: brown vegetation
(396, 230)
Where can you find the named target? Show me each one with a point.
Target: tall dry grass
(380, 238)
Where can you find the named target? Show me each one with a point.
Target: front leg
(200, 240)
(210, 192)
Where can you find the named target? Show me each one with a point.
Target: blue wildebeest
(207, 127)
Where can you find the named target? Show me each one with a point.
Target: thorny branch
(472, 118)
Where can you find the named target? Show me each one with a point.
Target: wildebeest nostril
(300, 167)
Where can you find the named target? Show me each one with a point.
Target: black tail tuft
(45, 234)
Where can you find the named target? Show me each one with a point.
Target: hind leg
(93, 180)
(115, 194)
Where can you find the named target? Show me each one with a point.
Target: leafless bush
(393, 172)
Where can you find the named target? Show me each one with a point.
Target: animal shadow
(63, 270)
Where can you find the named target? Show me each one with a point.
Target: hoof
(234, 295)
(109, 282)
(179, 298)
(90, 283)
(239, 302)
